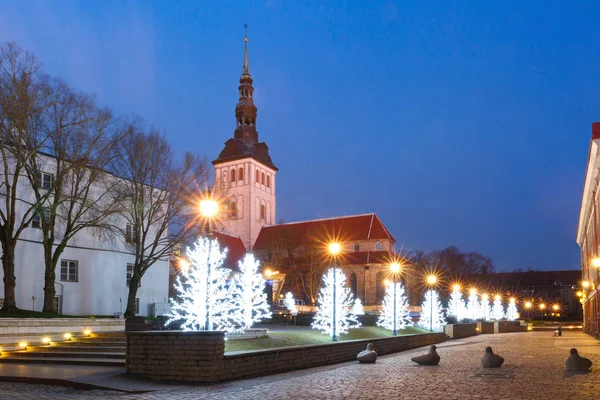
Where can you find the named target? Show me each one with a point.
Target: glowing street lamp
(208, 210)
(585, 284)
(528, 305)
(395, 269)
(542, 308)
(431, 280)
(334, 250)
(596, 262)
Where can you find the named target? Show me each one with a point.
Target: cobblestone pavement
(534, 369)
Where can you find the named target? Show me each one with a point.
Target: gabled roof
(349, 228)
(236, 249)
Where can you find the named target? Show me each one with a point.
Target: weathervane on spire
(246, 33)
(246, 68)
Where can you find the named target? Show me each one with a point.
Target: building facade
(587, 236)
(92, 275)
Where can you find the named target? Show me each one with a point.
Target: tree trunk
(49, 278)
(133, 288)
(10, 281)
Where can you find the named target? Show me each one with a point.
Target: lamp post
(395, 269)
(527, 306)
(334, 250)
(431, 280)
(542, 308)
(555, 308)
(473, 293)
(484, 305)
(208, 209)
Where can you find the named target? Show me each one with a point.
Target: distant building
(245, 178)
(538, 287)
(587, 235)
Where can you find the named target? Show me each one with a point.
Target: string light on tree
(248, 298)
(486, 310)
(473, 305)
(344, 317)
(432, 316)
(204, 270)
(457, 306)
(290, 303)
(511, 311)
(386, 318)
(358, 308)
(497, 309)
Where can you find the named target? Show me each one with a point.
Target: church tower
(244, 172)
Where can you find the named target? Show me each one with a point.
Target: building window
(44, 180)
(233, 175)
(378, 245)
(241, 174)
(262, 211)
(36, 222)
(130, 270)
(130, 234)
(58, 304)
(262, 178)
(1, 303)
(257, 176)
(69, 271)
(268, 181)
(233, 209)
(353, 282)
(136, 306)
(356, 247)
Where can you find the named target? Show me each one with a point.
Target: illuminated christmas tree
(473, 307)
(247, 300)
(497, 309)
(485, 311)
(358, 308)
(456, 305)
(290, 303)
(386, 318)
(511, 311)
(344, 317)
(432, 316)
(204, 272)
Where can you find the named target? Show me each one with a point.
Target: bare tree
(24, 101)
(311, 267)
(80, 146)
(156, 192)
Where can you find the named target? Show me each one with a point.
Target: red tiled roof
(349, 228)
(236, 249)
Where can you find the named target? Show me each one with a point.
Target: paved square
(534, 369)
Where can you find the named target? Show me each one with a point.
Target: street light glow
(542, 306)
(456, 288)
(208, 208)
(596, 262)
(334, 248)
(512, 300)
(555, 307)
(527, 304)
(395, 267)
(497, 297)
(585, 284)
(579, 293)
(484, 296)
(431, 279)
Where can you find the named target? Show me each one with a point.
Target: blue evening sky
(461, 123)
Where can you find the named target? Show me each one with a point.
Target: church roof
(236, 249)
(236, 149)
(348, 229)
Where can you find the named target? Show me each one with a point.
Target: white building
(92, 274)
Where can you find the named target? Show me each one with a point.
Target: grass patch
(310, 336)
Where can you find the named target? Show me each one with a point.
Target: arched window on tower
(353, 283)
(241, 174)
(233, 175)
(262, 178)
(232, 209)
(356, 247)
(257, 176)
(268, 181)
(262, 212)
(378, 245)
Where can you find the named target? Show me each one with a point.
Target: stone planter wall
(509, 326)
(485, 327)
(199, 356)
(457, 331)
(11, 328)
(248, 334)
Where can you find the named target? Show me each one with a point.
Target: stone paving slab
(534, 369)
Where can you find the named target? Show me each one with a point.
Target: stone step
(59, 360)
(64, 354)
(78, 349)
(90, 343)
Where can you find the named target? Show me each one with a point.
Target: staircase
(107, 349)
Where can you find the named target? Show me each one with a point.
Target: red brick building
(587, 235)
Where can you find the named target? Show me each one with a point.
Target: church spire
(245, 111)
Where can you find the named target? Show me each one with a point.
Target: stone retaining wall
(457, 331)
(11, 327)
(199, 356)
(485, 327)
(509, 326)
